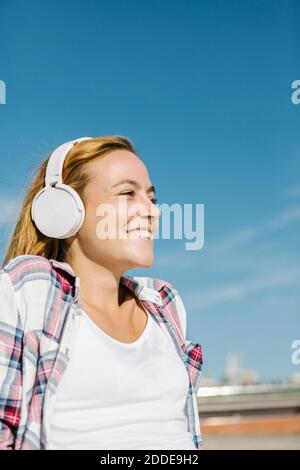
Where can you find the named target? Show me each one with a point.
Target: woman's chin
(143, 260)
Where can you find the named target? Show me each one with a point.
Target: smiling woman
(110, 349)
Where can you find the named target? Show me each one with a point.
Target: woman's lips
(140, 234)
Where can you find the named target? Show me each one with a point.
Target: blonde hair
(26, 238)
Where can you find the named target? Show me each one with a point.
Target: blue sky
(203, 88)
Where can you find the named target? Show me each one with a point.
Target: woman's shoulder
(20, 261)
(24, 268)
(19, 288)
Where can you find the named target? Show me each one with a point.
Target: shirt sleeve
(11, 340)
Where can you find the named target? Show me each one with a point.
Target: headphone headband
(56, 161)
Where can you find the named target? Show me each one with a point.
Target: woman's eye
(154, 200)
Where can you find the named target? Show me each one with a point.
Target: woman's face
(113, 208)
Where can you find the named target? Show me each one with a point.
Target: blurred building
(235, 374)
(241, 413)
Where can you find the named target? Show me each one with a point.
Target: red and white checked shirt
(39, 307)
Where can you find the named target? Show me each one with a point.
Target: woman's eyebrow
(134, 183)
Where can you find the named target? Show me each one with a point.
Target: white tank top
(116, 395)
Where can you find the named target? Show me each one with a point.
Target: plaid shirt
(39, 308)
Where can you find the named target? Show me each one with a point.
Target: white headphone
(57, 210)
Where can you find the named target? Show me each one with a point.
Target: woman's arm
(11, 340)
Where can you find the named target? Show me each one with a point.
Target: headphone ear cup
(58, 211)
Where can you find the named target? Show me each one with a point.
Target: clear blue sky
(203, 88)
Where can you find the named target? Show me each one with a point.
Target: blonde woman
(92, 358)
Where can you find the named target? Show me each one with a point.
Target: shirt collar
(140, 290)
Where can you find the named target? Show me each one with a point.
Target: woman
(92, 358)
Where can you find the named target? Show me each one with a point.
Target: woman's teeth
(139, 234)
